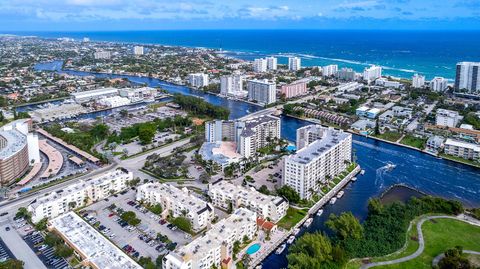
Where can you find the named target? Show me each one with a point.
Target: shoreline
(236, 53)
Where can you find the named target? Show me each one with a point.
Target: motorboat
(308, 222)
(280, 249)
(333, 200)
(340, 194)
(319, 212)
(291, 239)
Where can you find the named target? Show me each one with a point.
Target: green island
(388, 233)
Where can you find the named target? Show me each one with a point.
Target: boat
(362, 172)
(296, 231)
(333, 200)
(340, 194)
(390, 166)
(354, 179)
(280, 249)
(291, 239)
(319, 212)
(308, 222)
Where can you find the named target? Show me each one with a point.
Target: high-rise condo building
(467, 77)
(255, 133)
(260, 65)
(418, 81)
(219, 130)
(262, 91)
(438, 84)
(294, 63)
(329, 70)
(317, 162)
(198, 80)
(372, 73)
(138, 50)
(347, 74)
(231, 85)
(271, 63)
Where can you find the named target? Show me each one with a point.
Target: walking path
(421, 240)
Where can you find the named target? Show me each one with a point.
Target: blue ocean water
(401, 53)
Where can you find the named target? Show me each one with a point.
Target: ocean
(401, 53)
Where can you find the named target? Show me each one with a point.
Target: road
(421, 240)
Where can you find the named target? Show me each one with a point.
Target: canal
(413, 168)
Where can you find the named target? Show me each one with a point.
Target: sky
(104, 15)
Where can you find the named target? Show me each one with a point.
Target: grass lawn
(413, 141)
(440, 235)
(293, 217)
(462, 160)
(390, 136)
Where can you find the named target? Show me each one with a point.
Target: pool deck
(265, 246)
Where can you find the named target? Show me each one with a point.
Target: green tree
(289, 193)
(61, 250)
(311, 251)
(12, 264)
(453, 259)
(156, 209)
(41, 225)
(345, 226)
(264, 189)
(183, 224)
(146, 134)
(99, 131)
(52, 239)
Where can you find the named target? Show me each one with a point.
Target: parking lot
(270, 175)
(137, 241)
(5, 253)
(46, 253)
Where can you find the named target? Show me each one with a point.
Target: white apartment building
(79, 194)
(272, 63)
(198, 80)
(95, 250)
(307, 135)
(387, 83)
(447, 118)
(294, 63)
(329, 70)
(262, 91)
(318, 162)
(260, 65)
(372, 73)
(349, 87)
(462, 149)
(438, 84)
(232, 85)
(138, 50)
(418, 81)
(219, 130)
(226, 195)
(215, 248)
(178, 202)
(255, 133)
(102, 55)
(468, 77)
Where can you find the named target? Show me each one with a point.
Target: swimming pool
(253, 249)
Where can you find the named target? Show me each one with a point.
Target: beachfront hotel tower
(467, 78)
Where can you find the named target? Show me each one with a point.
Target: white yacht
(319, 212)
(333, 200)
(340, 194)
(280, 249)
(308, 222)
(291, 239)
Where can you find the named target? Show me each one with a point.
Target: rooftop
(93, 246)
(330, 138)
(15, 141)
(249, 194)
